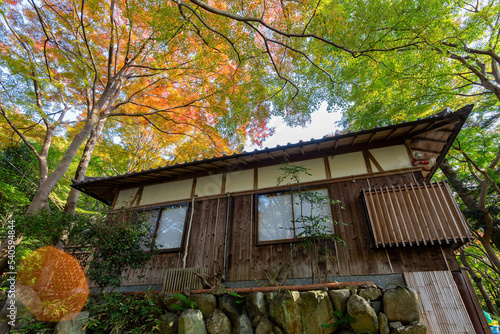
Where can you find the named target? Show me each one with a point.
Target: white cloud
(322, 123)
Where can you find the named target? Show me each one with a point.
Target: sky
(322, 123)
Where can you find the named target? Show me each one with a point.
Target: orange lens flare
(51, 284)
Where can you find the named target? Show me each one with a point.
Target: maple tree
(105, 59)
(159, 61)
(63, 57)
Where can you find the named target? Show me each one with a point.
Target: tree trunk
(4, 252)
(492, 255)
(458, 186)
(42, 195)
(479, 282)
(72, 200)
(473, 205)
(41, 198)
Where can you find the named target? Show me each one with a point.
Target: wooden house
(227, 215)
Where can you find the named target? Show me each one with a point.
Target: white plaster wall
(125, 197)
(209, 185)
(392, 157)
(316, 167)
(267, 176)
(239, 181)
(166, 192)
(347, 164)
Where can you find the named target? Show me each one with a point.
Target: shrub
(117, 313)
(117, 241)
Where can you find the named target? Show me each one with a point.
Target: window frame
(156, 226)
(295, 239)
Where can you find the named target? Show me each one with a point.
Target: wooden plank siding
(414, 214)
(206, 243)
(246, 260)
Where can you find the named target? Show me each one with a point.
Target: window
(167, 226)
(280, 214)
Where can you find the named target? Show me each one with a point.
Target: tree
(60, 62)
(16, 183)
(453, 60)
(160, 61)
(191, 63)
(56, 60)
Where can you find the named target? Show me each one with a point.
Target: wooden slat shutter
(414, 215)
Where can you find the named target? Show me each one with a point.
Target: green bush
(27, 325)
(117, 241)
(117, 313)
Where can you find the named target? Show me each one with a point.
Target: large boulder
(74, 324)
(395, 325)
(339, 299)
(412, 329)
(265, 326)
(383, 324)
(231, 306)
(206, 303)
(401, 304)
(218, 323)
(284, 309)
(155, 298)
(370, 293)
(243, 325)
(316, 309)
(169, 323)
(191, 322)
(169, 299)
(366, 320)
(256, 304)
(277, 330)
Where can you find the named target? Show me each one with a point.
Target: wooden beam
(242, 161)
(391, 134)
(366, 157)
(431, 140)
(327, 167)
(255, 157)
(432, 127)
(375, 162)
(371, 137)
(193, 189)
(354, 141)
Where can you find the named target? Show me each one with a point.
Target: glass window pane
(275, 216)
(152, 217)
(314, 205)
(171, 227)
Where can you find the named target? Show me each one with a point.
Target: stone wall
(364, 309)
(354, 309)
